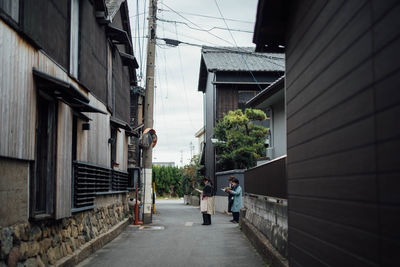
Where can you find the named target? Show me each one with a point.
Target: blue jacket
(237, 199)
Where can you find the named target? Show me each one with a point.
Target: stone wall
(269, 218)
(43, 243)
(13, 191)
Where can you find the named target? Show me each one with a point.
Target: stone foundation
(44, 243)
(270, 219)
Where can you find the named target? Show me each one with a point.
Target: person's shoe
(235, 222)
(232, 220)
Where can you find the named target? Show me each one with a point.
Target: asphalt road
(177, 238)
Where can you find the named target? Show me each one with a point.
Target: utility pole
(181, 158)
(191, 150)
(149, 108)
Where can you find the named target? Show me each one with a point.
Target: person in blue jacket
(236, 191)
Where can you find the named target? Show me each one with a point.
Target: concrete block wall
(221, 204)
(270, 218)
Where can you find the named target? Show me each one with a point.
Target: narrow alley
(179, 240)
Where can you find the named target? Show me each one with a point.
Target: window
(45, 162)
(243, 97)
(74, 39)
(11, 8)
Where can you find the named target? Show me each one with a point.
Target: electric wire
(204, 30)
(216, 36)
(207, 16)
(165, 62)
(140, 50)
(183, 82)
(193, 38)
(245, 61)
(144, 59)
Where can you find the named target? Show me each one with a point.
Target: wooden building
(229, 77)
(343, 114)
(272, 101)
(66, 72)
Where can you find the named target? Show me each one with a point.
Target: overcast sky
(178, 105)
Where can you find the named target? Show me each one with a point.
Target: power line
(207, 16)
(137, 15)
(239, 50)
(219, 10)
(204, 30)
(216, 36)
(183, 81)
(165, 65)
(191, 37)
(143, 62)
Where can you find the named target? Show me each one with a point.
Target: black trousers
(235, 216)
(206, 219)
(230, 202)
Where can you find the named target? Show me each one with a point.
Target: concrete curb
(92, 246)
(270, 255)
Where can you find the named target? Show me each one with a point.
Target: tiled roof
(113, 7)
(241, 59)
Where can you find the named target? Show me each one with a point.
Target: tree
(240, 142)
(191, 177)
(168, 181)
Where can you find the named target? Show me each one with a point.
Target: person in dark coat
(207, 201)
(230, 196)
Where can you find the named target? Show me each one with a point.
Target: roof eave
(270, 26)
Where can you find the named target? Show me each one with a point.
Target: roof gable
(241, 59)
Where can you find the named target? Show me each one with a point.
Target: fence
(222, 180)
(268, 179)
(90, 179)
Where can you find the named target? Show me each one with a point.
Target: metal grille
(119, 180)
(90, 179)
(84, 185)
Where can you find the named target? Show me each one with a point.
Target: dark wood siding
(122, 89)
(121, 81)
(343, 134)
(47, 23)
(92, 52)
(227, 99)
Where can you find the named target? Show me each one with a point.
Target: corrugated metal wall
(343, 110)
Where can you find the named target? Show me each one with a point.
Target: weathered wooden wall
(343, 111)
(122, 150)
(17, 96)
(98, 148)
(64, 159)
(227, 99)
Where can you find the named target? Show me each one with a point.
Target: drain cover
(148, 227)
